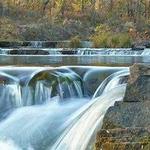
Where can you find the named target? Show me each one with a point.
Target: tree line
(119, 15)
(132, 9)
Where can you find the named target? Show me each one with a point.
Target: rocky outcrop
(123, 139)
(141, 45)
(138, 88)
(28, 52)
(126, 125)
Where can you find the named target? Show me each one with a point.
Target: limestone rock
(125, 114)
(138, 88)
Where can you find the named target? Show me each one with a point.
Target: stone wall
(126, 125)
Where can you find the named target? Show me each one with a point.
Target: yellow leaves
(76, 7)
(102, 28)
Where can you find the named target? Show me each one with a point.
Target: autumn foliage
(108, 23)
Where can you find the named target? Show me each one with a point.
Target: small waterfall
(110, 82)
(27, 96)
(3, 51)
(110, 52)
(38, 88)
(53, 51)
(79, 133)
(42, 93)
(10, 95)
(37, 48)
(146, 52)
(63, 83)
(36, 44)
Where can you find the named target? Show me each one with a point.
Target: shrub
(129, 25)
(105, 37)
(102, 28)
(75, 42)
(125, 40)
(9, 30)
(100, 40)
(113, 41)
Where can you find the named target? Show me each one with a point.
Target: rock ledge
(126, 125)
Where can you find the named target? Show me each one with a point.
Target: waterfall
(36, 44)
(62, 82)
(10, 96)
(146, 52)
(52, 112)
(68, 125)
(31, 90)
(110, 82)
(110, 52)
(79, 133)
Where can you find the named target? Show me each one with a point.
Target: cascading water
(111, 81)
(146, 52)
(36, 48)
(10, 95)
(63, 83)
(79, 133)
(54, 114)
(36, 44)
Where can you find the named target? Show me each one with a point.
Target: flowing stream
(48, 108)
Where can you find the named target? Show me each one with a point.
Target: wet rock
(134, 110)
(138, 88)
(28, 52)
(68, 51)
(146, 44)
(138, 48)
(125, 114)
(141, 45)
(10, 44)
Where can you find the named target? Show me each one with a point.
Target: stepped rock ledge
(126, 125)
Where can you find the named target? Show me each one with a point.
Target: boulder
(125, 114)
(138, 87)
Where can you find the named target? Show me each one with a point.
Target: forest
(107, 23)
